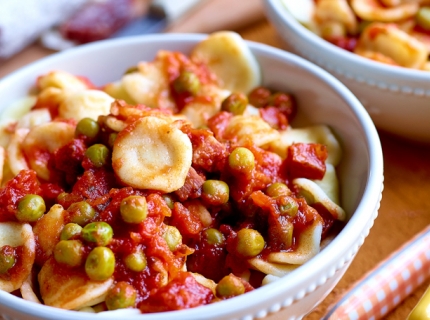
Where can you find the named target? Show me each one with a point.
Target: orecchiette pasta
(270, 268)
(373, 10)
(229, 50)
(61, 80)
(391, 42)
(154, 191)
(87, 103)
(394, 32)
(148, 85)
(37, 148)
(34, 118)
(70, 289)
(308, 246)
(250, 130)
(336, 10)
(13, 235)
(152, 153)
(14, 155)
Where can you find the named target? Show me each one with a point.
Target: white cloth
(22, 21)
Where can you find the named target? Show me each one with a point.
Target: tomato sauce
(163, 285)
(181, 293)
(24, 183)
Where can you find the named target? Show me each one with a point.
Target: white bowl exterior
(397, 99)
(321, 99)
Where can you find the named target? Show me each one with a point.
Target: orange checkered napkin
(383, 288)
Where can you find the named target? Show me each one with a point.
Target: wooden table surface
(405, 206)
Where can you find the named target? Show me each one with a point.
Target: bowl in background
(321, 99)
(396, 98)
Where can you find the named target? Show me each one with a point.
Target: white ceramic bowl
(321, 99)
(396, 98)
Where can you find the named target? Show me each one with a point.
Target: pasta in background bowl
(327, 114)
(394, 93)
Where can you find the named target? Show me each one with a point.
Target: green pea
(87, 127)
(309, 196)
(136, 261)
(169, 201)
(120, 296)
(99, 232)
(173, 237)
(100, 307)
(81, 212)
(31, 208)
(216, 192)
(242, 160)
(235, 103)
(187, 81)
(287, 205)
(112, 138)
(333, 30)
(250, 243)
(7, 259)
(98, 154)
(362, 25)
(214, 236)
(277, 189)
(230, 286)
(69, 252)
(131, 70)
(287, 234)
(134, 209)
(423, 18)
(100, 264)
(62, 196)
(70, 230)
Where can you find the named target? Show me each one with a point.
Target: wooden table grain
(405, 206)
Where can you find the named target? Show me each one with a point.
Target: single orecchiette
(330, 183)
(149, 84)
(208, 283)
(48, 229)
(14, 153)
(34, 118)
(373, 10)
(308, 246)
(314, 194)
(223, 50)
(35, 144)
(390, 41)
(152, 153)
(199, 112)
(276, 269)
(338, 11)
(61, 80)
(250, 130)
(117, 91)
(16, 234)
(85, 104)
(70, 288)
(28, 291)
(393, 3)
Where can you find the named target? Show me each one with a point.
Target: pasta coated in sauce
(187, 187)
(388, 31)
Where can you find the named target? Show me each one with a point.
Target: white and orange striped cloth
(384, 287)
